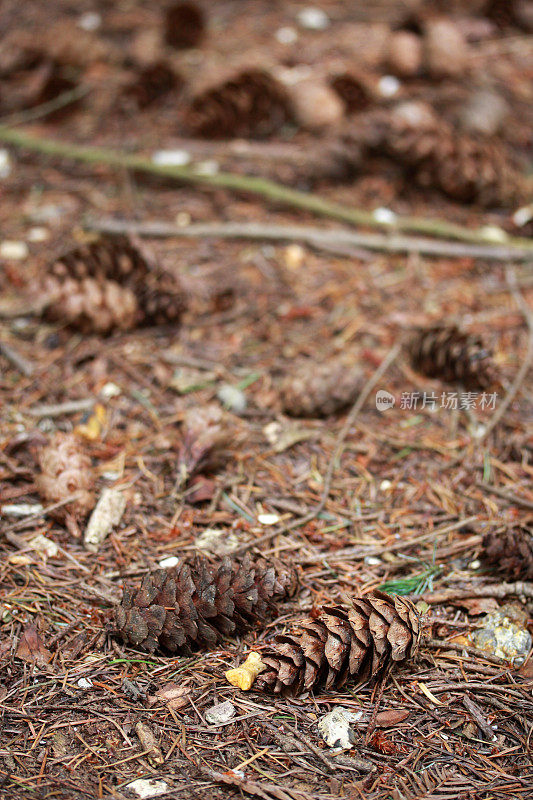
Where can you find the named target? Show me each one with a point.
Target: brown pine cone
(352, 91)
(152, 82)
(184, 25)
(109, 284)
(466, 168)
(449, 354)
(358, 643)
(318, 390)
(253, 104)
(65, 469)
(511, 553)
(200, 602)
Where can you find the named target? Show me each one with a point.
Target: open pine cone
(511, 553)
(449, 354)
(109, 284)
(253, 104)
(318, 390)
(66, 469)
(200, 602)
(357, 643)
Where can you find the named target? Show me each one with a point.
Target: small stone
(147, 787)
(13, 251)
(522, 216)
(316, 105)
(286, 35)
(222, 712)
(474, 564)
(5, 164)
(38, 234)
(217, 541)
(84, 683)
(384, 215)
(385, 486)
(171, 158)
(314, 19)
(335, 730)
(169, 562)
(492, 233)
(232, 398)
(293, 256)
(183, 219)
(210, 167)
(388, 86)
(110, 389)
(268, 519)
(90, 21)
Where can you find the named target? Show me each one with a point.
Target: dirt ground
(410, 499)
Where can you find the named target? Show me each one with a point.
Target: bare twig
(439, 644)
(315, 237)
(511, 498)
(499, 590)
(59, 409)
(50, 107)
(22, 364)
(268, 190)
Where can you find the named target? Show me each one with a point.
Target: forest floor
(410, 498)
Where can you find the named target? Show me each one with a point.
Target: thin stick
(526, 364)
(269, 190)
(337, 453)
(316, 237)
(22, 364)
(44, 109)
(59, 409)
(499, 590)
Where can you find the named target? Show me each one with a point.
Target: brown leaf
(149, 742)
(391, 717)
(172, 695)
(479, 605)
(31, 647)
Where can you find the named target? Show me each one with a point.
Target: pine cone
(501, 12)
(66, 469)
(467, 169)
(511, 553)
(151, 83)
(201, 602)
(360, 642)
(352, 91)
(184, 25)
(253, 104)
(109, 284)
(318, 390)
(449, 354)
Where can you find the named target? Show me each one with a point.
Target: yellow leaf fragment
(243, 677)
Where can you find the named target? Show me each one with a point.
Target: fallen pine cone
(357, 643)
(511, 553)
(66, 469)
(449, 354)
(109, 284)
(253, 104)
(200, 602)
(184, 25)
(318, 390)
(468, 169)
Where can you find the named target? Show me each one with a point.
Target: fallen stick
(315, 237)
(269, 190)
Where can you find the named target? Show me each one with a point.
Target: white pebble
(268, 519)
(90, 21)
(475, 564)
(492, 233)
(110, 389)
(314, 19)
(21, 509)
(372, 561)
(171, 158)
(286, 35)
(222, 712)
(85, 683)
(207, 167)
(523, 215)
(16, 251)
(232, 397)
(384, 215)
(5, 164)
(38, 235)
(147, 787)
(385, 486)
(183, 219)
(388, 86)
(169, 562)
